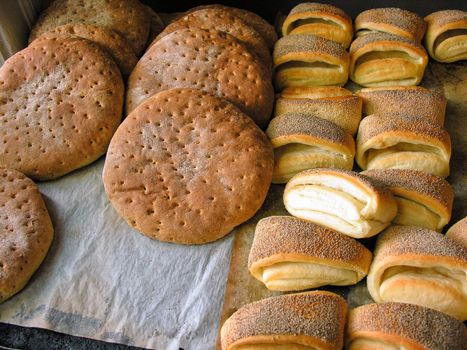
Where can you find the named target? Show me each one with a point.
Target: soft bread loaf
(309, 60)
(391, 20)
(446, 35)
(403, 326)
(419, 266)
(305, 321)
(386, 141)
(332, 103)
(342, 200)
(303, 142)
(458, 232)
(423, 199)
(430, 105)
(381, 59)
(323, 20)
(290, 254)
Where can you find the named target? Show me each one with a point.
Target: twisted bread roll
(345, 201)
(446, 35)
(429, 105)
(397, 142)
(309, 60)
(390, 326)
(419, 266)
(423, 199)
(391, 20)
(290, 254)
(381, 59)
(322, 20)
(305, 321)
(458, 232)
(303, 142)
(332, 103)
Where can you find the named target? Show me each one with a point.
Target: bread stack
(416, 275)
(189, 143)
(182, 165)
(314, 118)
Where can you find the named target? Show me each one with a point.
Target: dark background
(38, 339)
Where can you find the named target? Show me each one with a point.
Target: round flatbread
(60, 103)
(263, 27)
(209, 60)
(187, 167)
(223, 21)
(26, 231)
(127, 17)
(115, 44)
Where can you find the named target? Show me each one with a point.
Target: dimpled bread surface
(224, 21)
(115, 44)
(187, 167)
(127, 17)
(60, 103)
(208, 60)
(26, 231)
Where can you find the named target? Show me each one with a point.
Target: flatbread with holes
(208, 60)
(127, 17)
(60, 103)
(187, 167)
(222, 20)
(115, 44)
(26, 231)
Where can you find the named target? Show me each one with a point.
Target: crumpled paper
(102, 279)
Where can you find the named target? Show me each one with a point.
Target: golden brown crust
(264, 28)
(287, 235)
(323, 20)
(182, 166)
(377, 38)
(309, 60)
(223, 21)
(61, 103)
(403, 240)
(26, 231)
(425, 103)
(186, 59)
(381, 131)
(430, 190)
(410, 258)
(319, 7)
(411, 326)
(282, 128)
(393, 21)
(303, 141)
(381, 59)
(446, 35)
(458, 232)
(337, 106)
(312, 318)
(115, 44)
(127, 17)
(310, 44)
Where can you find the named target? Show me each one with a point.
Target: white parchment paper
(103, 280)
